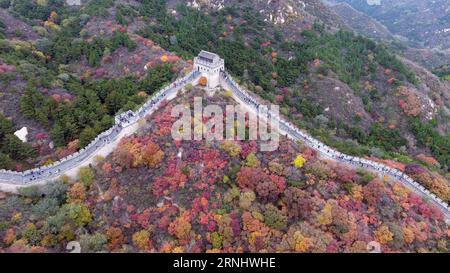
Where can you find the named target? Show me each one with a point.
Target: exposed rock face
(22, 134)
(73, 2)
(339, 101)
(432, 90)
(428, 58)
(279, 12)
(16, 28)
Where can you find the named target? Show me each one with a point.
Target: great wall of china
(127, 123)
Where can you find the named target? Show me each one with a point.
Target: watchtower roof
(208, 56)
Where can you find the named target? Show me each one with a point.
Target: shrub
(246, 198)
(274, 218)
(45, 207)
(78, 213)
(86, 176)
(115, 237)
(231, 148)
(252, 161)
(30, 192)
(55, 190)
(93, 242)
(216, 240)
(32, 235)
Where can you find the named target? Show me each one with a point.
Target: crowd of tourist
(296, 134)
(121, 121)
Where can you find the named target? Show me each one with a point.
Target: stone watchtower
(209, 65)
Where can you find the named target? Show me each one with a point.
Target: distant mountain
(423, 23)
(278, 12)
(361, 22)
(65, 72)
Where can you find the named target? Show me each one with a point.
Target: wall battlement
(211, 66)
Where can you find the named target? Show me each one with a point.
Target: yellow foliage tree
(228, 94)
(77, 193)
(9, 237)
(384, 235)
(302, 243)
(299, 161)
(232, 148)
(252, 161)
(408, 234)
(357, 193)
(325, 217)
(164, 58)
(141, 240)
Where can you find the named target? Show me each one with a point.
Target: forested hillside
(156, 195)
(88, 64)
(66, 71)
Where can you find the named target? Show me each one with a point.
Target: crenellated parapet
(292, 132)
(209, 65)
(12, 180)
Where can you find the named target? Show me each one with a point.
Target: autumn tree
(93, 242)
(248, 177)
(299, 203)
(78, 213)
(274, 218)
(230, 147)
(373, 191)
(299, 161)
(77, 193)
(86, 176)
(301, 242)
(141, 240)
(246, 198)
(10, 236)
(115, 238)
(252, 161)
(181, 227)
(275, 167)
(383, 234)
(216, 240)
(152, 155)
(137, 152)
(270, 188)
(173, 179)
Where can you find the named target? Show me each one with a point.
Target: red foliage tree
(299, 203)
(373, 191)
(248, 177)
(268, 187)
(173, 179)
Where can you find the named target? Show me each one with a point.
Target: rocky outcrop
(279, 12)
